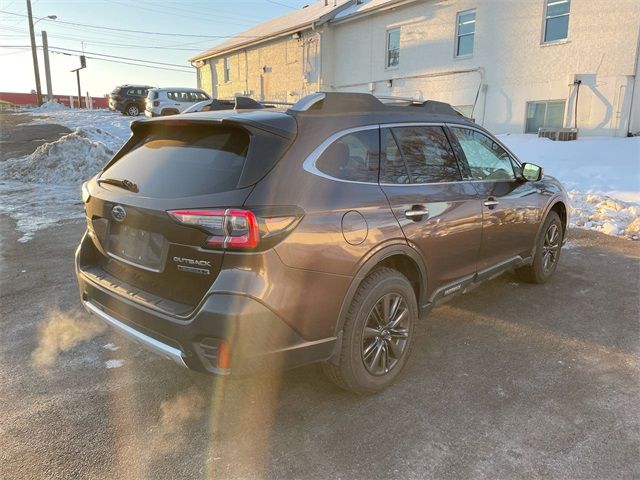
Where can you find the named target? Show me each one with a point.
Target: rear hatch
(170, 166)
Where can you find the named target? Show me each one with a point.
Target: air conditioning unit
(559, 134)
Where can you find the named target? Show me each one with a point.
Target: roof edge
(327, 17)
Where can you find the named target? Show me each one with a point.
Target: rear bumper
(255, 337)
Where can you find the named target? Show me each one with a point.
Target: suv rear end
(171, 254)
(161, 102)
(128, 99)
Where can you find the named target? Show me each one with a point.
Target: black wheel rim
(385, 334)
(550, 247)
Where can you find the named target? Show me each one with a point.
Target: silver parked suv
(169, 101)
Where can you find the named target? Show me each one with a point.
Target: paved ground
(508, 381)
(18, 139)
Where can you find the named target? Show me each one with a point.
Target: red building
(30, 99)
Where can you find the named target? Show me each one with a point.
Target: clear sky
(209, 18)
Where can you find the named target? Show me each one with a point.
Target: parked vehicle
(239, 103)
(129, 99)
(228, 241)
(170, 101)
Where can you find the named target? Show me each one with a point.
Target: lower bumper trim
(156, 346)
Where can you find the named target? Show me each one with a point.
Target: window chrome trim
(309, 163)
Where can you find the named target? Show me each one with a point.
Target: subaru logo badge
(118, 213)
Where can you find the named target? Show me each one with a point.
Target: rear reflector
(156, 103)
(228, 228)
(224, 355)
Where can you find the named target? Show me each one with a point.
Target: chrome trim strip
(309, 163)
(152, 344)
(133, 264)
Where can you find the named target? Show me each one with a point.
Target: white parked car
(169, 101)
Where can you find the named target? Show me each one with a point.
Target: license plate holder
(137, 247)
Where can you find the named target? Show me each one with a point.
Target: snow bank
(50, 106)
(70, 160)
(602, 175)
(603, 165)
(55, 170)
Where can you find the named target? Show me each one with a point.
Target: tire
(357, 369)
(548, 247)
(168, 111)
(132, 110)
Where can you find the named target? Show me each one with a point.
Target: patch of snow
(70, 160)
(50, 106)
(43, 189)
(602, 174)
(114, 363)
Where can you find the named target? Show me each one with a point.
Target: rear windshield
(185, 161)
(116, 91)
(152, 95)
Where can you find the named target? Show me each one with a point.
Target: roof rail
(341, 102)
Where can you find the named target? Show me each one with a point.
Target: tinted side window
(427, 154)
(171, 95)
(393, 166)
(487, 160)
(353, 157)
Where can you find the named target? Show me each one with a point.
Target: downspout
(633, 86)
(246, 72)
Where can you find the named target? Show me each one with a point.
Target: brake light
(228, 228)
(156, 103)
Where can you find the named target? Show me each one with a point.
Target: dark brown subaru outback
(229, 241)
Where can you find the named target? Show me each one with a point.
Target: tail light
(237, 229)
(156, 103)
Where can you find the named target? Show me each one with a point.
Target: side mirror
(531, 172)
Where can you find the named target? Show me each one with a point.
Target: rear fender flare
(367, 267)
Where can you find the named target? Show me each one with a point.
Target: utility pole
(83, 64)
(34, 53)
(47, 70)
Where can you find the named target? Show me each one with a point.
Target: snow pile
(43, 189)
(602, 165)
(605, 214)
(50, 106)
(70, 160)
(601, 173)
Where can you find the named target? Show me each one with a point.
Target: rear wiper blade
(120, 182)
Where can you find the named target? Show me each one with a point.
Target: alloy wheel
(385, 334)
(550, 247)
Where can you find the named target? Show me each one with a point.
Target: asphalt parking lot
(507, 381)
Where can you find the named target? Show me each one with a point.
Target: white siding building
(514, 65)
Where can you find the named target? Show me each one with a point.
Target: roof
(300, 19)
(364, 6)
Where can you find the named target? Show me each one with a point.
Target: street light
(48, 17)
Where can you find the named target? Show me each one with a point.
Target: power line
(65, 51)
(139, 31)
(121, 58)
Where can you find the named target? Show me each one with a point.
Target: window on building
(418, 155)
(556, 21)
(486, 159)
(227, 69)
(393, 48)
(353, 157)
(465, 33)
(544, 115)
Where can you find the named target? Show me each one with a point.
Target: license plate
(139, 247)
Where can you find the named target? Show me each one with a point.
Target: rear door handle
(416, 214)
(491, 203)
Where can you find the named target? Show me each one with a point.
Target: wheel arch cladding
(561, 209)
(398, 257)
